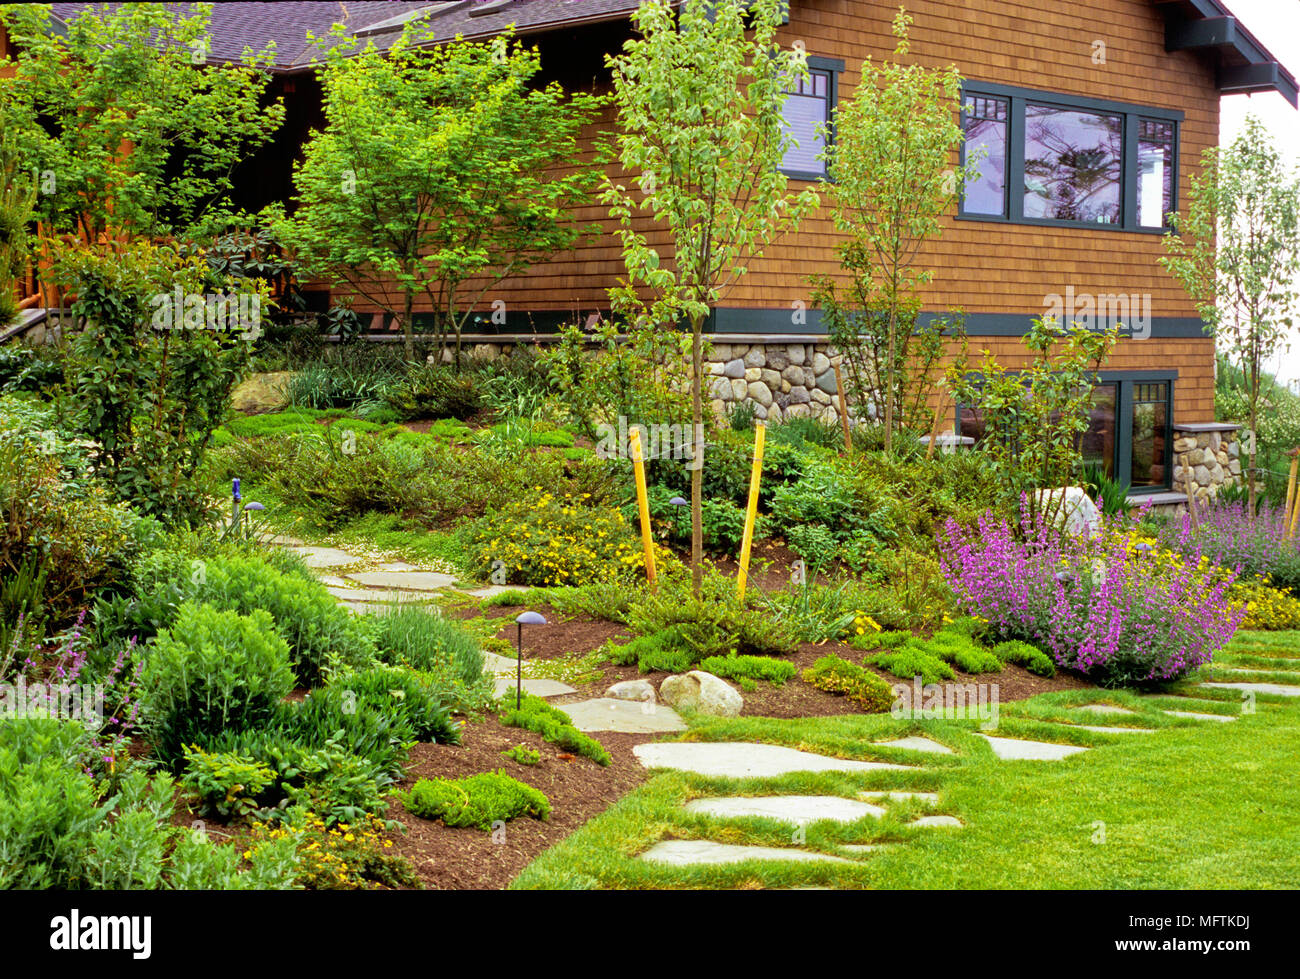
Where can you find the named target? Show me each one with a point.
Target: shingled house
(1136, 83)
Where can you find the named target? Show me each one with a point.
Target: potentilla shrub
(550, 541)
(1116, 612)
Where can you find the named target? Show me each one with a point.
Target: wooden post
(934, 426)
(643, 505)
(844, 408)
(1290, 510)
(751, 511)
(1191, 497)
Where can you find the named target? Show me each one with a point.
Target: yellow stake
(1290, 510)
(756, 474)
(643, 504)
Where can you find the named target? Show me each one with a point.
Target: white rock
(1079, 512)
(703, 692)
(642, 690)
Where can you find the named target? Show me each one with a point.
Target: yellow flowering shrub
(550, 541)
(346, 857)
(1267, 607)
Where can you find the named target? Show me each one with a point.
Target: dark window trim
(1014, 209)
(832, 67)
(1124, 380)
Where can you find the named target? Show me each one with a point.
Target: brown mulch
(469, 859)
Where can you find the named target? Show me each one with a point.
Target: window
(808, 114)
(984, 121)
(1042, 158)
(1072, 165)
(1129, 431)
(1155, 172)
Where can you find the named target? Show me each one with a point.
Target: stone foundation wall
(781, 380)
(1211, 454)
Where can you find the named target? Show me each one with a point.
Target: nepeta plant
(1116, 612)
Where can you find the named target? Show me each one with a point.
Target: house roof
(235, 26)
(1242, 62)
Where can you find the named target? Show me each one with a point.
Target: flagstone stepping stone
(1114, 730)
(495, 663)
(936, 822)
(1281, 689)
(860, 847)
(1199, 717)
(284, 540)
(796, 809)
(487, 591)
(1104, 709)
(325, 557)
(396, 566)
(409, 580)
(930, 798)
(376, 595)
(608, 714)
(740, 759)
(682, 853)
(1017, 749)
(917, 743)
(539, 685)
(332, 579)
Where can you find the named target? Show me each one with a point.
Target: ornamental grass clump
(1106, 606)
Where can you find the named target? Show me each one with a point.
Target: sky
(1276, 23)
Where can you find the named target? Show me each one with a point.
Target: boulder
(734, 368)
(799, 395)
(1078, 511)
(756, 356)
(796, 354)
(703, 692)
(778, 359)
(642, 690)
(827, 382)
(760, 392)
(821, 363)
(262, 393)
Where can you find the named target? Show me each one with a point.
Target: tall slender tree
(700, 94)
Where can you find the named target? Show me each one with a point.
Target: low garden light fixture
(254, 506)
(521, 620)
(679, 503)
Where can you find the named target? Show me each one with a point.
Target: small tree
(700, 96)
(1035, 417)
(122, 123)
(437, 166)
(892, 161)
(17, 198)
(1237, 254)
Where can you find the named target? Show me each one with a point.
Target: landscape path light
(521, 620)
(679, 503)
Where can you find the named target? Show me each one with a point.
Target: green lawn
(1197, 804)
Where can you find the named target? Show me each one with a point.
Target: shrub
(434, 392)
(775, 671)
(548, 541)
(836, 675)
(714, 624)
(1030, 657)
(1099, 605)
(959, 649)
(912, 661)
(211, 671)
(555, 726)
(479, 800)
(423, 640)
(1267, 608)
(227, 784)
(322, 636)
(349, 856)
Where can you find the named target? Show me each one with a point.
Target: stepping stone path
(1016, 749)
(917, 744)
(1199, 717)
(795, 809)
(682, 853)
(404, 580)
(1281, 689)
(1114, 730)
(937, 822)
(539, 685)
(1104, 709)
(739, 759)
(609, 714)
(324, 557)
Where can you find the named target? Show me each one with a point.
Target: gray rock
(796, 353)
(722, 351)
(756, 357)
(738, 389)
(406, 580)
(640, 690)
(1016, 749)
(793, 374)
(537, 685)
(739, 759)
(703, 692)
(917, 743)
(753, 374)
(760, 392)
(608, 714)
(682, 853)
(798, 810)
(734, 368)
(820, 363)
(799, 396)
(720, 389)
(936, 822)
(325, 557)
(771, 378)
(820, 397)
(778, 359)
(1281, 690)
(827, 383)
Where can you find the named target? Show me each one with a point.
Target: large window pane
(1097, 444)
(984, 120)
(807, 111)
(1073, 163)
(1150, 435)
(1155, 172)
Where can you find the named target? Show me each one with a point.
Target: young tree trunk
(408, 329)
(697, 461)
(889, 384)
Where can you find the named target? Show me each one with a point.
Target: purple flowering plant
(1229, 535)
(1105, 605)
